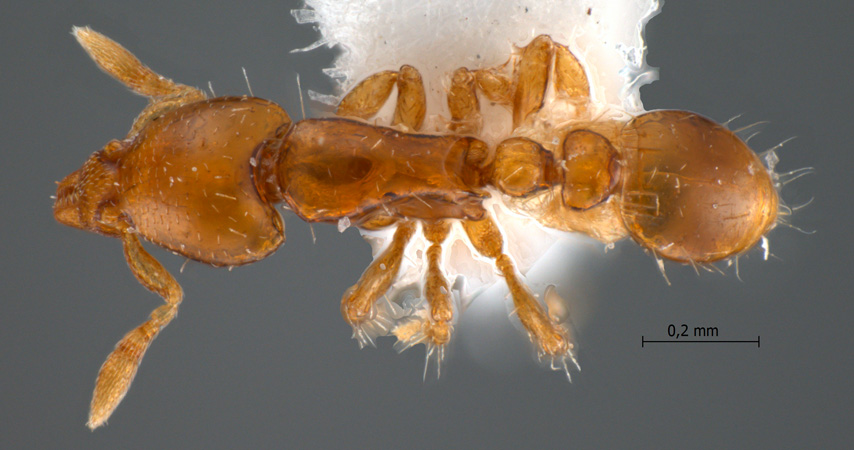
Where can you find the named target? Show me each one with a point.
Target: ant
(201, 177)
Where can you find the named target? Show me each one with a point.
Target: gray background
(260, 357)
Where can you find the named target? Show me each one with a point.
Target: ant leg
(437, 291)
(411, 100)
(164, 94)
(437, 326)
(497, 86)
(366, 99)
(549, 336)
(357, 304)
(118, 370)
(531, 75)
(463, 104)
(569, 76)
(526, 89)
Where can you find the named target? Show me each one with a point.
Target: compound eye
(692, 190)
(590, 169)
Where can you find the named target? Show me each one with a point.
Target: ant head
(692, 190)
(82, 195)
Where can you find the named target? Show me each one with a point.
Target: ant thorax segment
(327, 170)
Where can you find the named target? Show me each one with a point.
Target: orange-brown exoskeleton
(201, 177)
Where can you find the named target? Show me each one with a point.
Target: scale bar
(644, 341)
